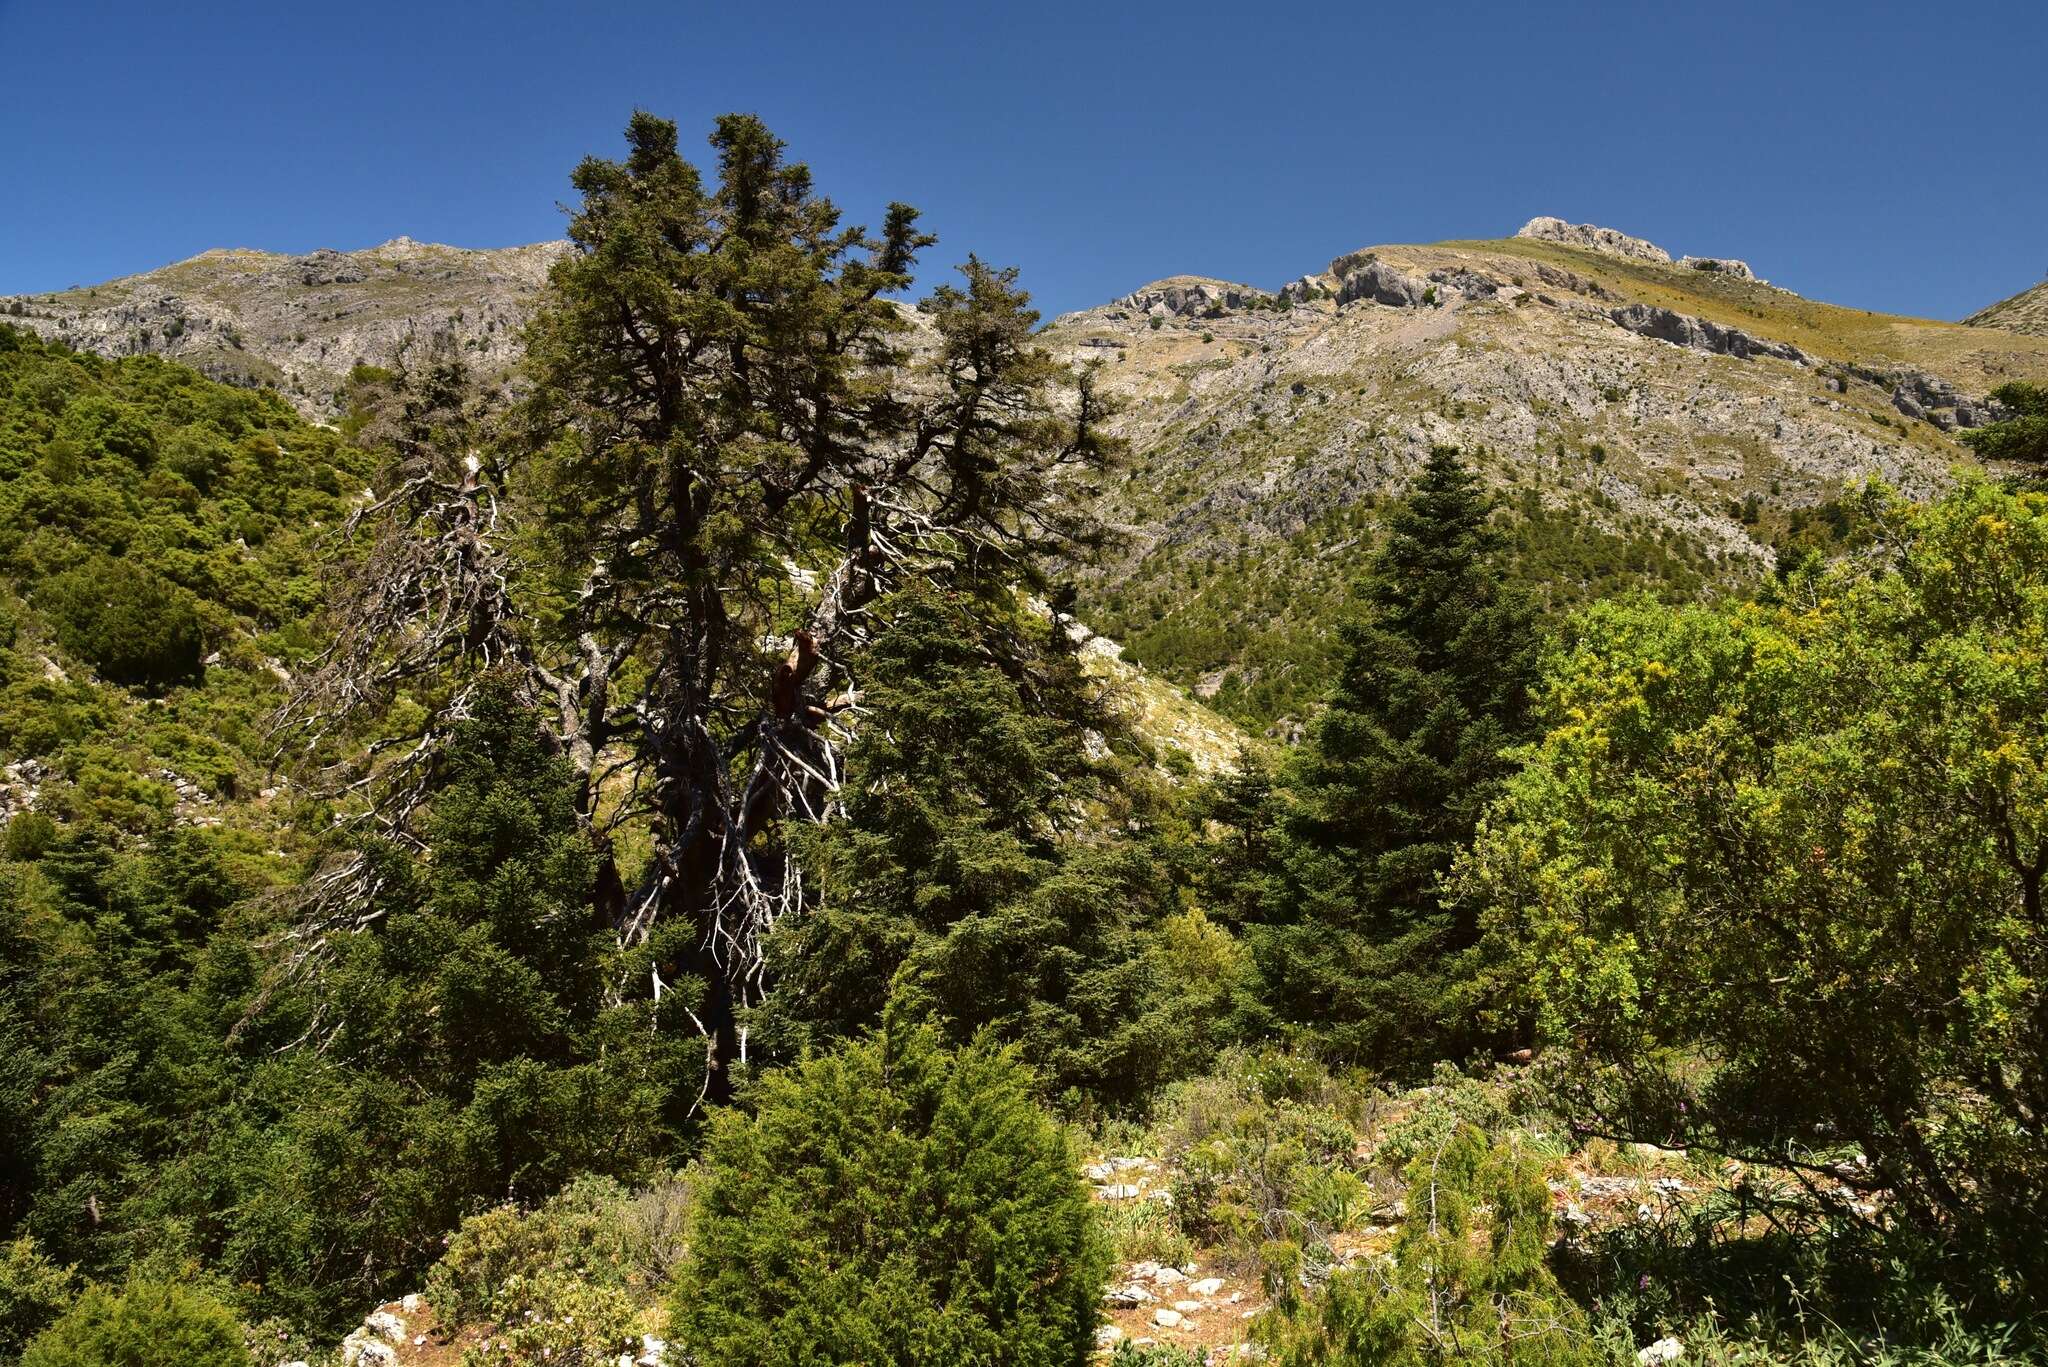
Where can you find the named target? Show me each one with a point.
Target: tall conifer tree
(1392, 779)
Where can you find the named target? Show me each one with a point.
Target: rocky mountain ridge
(299, 324)
(1680, 420)
(1669, 422)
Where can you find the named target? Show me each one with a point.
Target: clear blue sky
(1891, 156)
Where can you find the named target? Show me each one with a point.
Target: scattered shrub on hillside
(892, 1201)
(1129, 1354)
(1444, 1296)
(133, 626)
(146, 1324)
(1265, 1158)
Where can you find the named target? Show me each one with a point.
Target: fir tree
(1391, 781)
(973, 857)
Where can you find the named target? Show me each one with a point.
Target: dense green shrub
(892, 1201)
(131, 625)
(2021, 438)
(146, 1324)
(579, 1232)
(558, 1283)
(33, 1291)
(1778, 870)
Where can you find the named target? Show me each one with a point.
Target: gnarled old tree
(731, 447)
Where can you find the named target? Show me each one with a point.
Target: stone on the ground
(385, 1325)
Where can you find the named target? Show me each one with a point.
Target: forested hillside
(648, 866)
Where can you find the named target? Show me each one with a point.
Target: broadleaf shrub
(145, 1324)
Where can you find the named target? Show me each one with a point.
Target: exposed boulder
(1186, 297)
(1594, 238)
(1682, 329)
(1929, 398)
(1308, 289)
(1469, 283)
(1367, 277)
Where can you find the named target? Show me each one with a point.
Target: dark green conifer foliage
(462, 1051)
(1433, 689)
(892, 1201)
(726, 440)
(128, 623)
(966, 857)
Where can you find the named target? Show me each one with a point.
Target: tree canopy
(1777, 868)
(1390, 782)
(734, 445)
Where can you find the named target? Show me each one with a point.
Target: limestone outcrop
(1719, 265)
(1190, 297)
(1367, 277)
(1593, 238)
(1700, 334)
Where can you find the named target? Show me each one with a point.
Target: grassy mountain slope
(140, 480)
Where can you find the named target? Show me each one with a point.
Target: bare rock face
(1184, 296)
(1684, 330)
(1931, 399)
(299, 324)
(1262, 441)
(1309, 289)
(1365, 276)
(1594, 238)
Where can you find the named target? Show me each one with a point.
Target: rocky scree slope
(1649, 420)
(299, 324)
